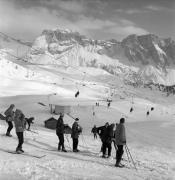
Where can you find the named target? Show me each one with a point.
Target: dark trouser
(119, 153)
(106, 145)
(28, 125)
(75, 143)
(10, 126)
(95, 136)
(61, 141)
(20, 139)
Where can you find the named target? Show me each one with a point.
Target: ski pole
(68, 141)
(127, 155)
(131, 157)
(35, 128)
(84, 141)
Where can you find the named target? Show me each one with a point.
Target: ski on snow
(32, 131)
(26, 154)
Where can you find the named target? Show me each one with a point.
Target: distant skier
(29, 121)
(120, 141)
(131, 109)
(77, 94)
(19, 120)
(76, 130)
(152, 108)
(60, 133)
(94, 131)
(9, 118)
(147, 113)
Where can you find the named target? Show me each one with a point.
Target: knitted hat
(122, 120)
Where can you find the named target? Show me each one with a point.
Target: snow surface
(160, 51)
(150, 140)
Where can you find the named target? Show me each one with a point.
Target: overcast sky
(98, 19)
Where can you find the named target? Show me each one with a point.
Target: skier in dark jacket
(29, 121)
(110, 136)
(94, 131)
(76, 130)
(9, 118)
(107, 140)
(60, 133)
(103, 133)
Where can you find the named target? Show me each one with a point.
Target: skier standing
(19, 120)
(103, 133)
(60, 133)
(94, 131)
(76, 130)
(29, 121)
(109, 138)
(120, 141)
(9, 118)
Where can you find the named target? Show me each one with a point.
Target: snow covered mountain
(146, 55)
(137, 60)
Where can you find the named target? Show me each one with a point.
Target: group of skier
(106, 133)
(76, 130)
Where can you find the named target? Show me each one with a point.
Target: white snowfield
(150, 141)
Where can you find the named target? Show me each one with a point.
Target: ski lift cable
(35, 64)
(70, 79)
(74, 67)
(84, 73)
(20, 41)
(36, 49)
(76, 83)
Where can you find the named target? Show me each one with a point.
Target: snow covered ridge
(145, 49)
(124, 58)
(137, 59)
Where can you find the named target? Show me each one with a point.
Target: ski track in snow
(151, 162)
(150, 139)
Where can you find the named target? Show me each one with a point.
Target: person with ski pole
(120, 141)
(60, 133)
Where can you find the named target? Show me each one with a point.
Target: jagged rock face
(149, 49)
(70, 48)
(145, 49)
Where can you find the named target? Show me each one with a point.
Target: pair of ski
(32, 131)
(25, 154)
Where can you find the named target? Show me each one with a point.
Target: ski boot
(8, 134)
(64, 150)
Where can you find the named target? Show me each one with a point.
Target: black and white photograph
(87, 89)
